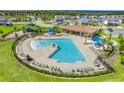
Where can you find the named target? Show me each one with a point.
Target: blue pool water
(97, 39)
(68, 52)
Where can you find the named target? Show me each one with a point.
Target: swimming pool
(97, 39)
(68, 52)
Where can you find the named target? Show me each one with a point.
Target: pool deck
(40, 56)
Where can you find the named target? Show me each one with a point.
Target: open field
(11, 70)
(6, 29)
(122, 24)
(20, 23)
(9, 29)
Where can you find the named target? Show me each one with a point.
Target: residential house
(4, 21)
(113, 21)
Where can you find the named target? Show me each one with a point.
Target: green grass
(122, 24)
(11, 70)
(104, 34)
(115, 39)
(6, 29)
(20, 23)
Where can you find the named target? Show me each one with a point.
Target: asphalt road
(116, 33)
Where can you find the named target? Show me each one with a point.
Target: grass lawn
(6, 29)
(104, 34)
(11, 70)
(21, 23)
(122, 24)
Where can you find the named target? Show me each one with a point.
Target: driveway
(116, 33)
(40, 23)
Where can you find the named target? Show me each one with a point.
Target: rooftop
(79, 28)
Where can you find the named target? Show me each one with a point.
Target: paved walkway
(41, 56)
(116, 33)
(13, 35)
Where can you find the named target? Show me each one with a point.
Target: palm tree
(122, 58)
(99, 32)
(23, 28)
(110, 36)
(40, 29)
(16, 35)
(104, 42)
(121, 43)
(120, 38)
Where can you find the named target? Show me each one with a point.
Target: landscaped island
(61, 48)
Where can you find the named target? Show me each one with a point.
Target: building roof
(2, 17)
(3, 20)
(30, 24)
(79, 28)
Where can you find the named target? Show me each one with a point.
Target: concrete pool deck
(40, 56)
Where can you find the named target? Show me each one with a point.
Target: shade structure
(50, 30)
(30, 30)
(79, 28)
(30, 24)
(97, 39)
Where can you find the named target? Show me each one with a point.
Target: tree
(121, 47)
(110, 31)
(1, 32)
(99, 32)
(16, 35)
(76, 23)
(104, 42)
(15, 28)
(57, 29)
(120, 38)
(39, 28)
(23, 28)
(28, 58)
(121, 42)
(30, 20)
(122, 58)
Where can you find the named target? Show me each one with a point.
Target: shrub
(1, 32)
(28, 58)
(111, 52)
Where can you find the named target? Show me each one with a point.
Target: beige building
(81, 30)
